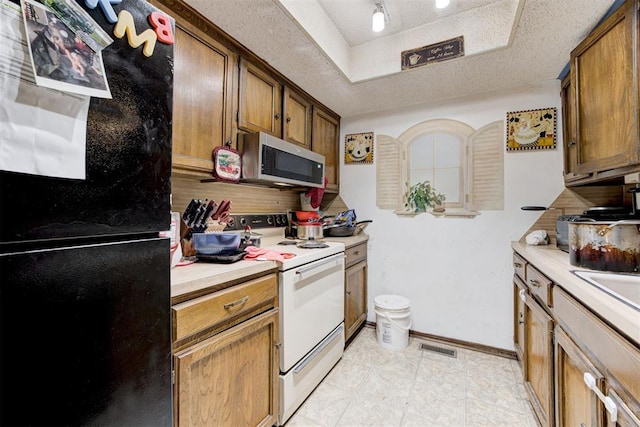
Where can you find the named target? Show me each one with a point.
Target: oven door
(311, 306)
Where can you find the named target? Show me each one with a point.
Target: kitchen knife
(223, 210)
(200, 216)
(194, 214)
(209, 210)
(188, 213)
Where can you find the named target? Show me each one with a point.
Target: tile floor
(373, 386)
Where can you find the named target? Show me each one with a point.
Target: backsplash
(575, 201)
(245, 198)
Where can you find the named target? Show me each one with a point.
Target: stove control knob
(270, 220)
(243, 221)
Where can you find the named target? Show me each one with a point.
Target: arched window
(464, 164)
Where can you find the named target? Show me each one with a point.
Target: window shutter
(389, 181)
(486, 164)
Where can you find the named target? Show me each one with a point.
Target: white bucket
(392, 321)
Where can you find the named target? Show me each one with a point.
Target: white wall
(456, 272)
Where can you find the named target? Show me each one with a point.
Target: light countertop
(555, 264)
(202, 277)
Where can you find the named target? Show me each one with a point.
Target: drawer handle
(609, 404)
(235, 303)
(534, 282)
(517, 264)
(356, 253)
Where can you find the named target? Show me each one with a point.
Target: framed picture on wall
(531, 130)
(358, 148)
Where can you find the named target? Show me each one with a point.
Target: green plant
(421, 196)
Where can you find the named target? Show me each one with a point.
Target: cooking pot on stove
(605, 245)
(308, 230)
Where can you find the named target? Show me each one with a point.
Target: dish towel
(316, 195)
(262, 254)
(538, 237)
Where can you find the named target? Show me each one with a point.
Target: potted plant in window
(421, 196)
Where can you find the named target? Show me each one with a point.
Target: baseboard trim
(459, 343)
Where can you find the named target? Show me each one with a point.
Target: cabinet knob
(356, 253)
(278, 345)
(571, 143)
(277, 116)
(534, 282)
(517, 265)
(348, 292)
(288, 119)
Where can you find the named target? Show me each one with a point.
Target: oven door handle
(309, 358)
(320, 266)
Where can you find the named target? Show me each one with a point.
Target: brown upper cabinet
(259, 100)
(325, 140)
(602, 104)
(220, 89)
(297, 118)
(202, 99)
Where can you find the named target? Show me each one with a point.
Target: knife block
(186, 241)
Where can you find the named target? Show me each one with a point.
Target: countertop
(555, 264)
(202, 277)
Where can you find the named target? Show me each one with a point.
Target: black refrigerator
(84, 275)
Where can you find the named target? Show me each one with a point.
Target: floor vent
(440, 350)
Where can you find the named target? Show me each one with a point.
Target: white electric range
(311, 301)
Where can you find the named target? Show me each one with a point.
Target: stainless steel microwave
(270, 160)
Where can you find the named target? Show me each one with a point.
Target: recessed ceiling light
(441, 4)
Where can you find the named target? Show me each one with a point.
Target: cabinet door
(297, 118)
(260, 101)
(325, 141)
(202, 99)
(519, 297)
(624, 416)
(576, 404)
(602, 71)
(355, 299)
(538, 369)
(230, 379)
(569, 131)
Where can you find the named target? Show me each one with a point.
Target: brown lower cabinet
(355, 288)
(578, 371)
(226, 356)
(577, 404)
(538, 362)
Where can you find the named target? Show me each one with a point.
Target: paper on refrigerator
(42, 131)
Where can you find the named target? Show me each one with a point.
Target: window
(464, 164)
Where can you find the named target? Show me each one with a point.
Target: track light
(379, 17)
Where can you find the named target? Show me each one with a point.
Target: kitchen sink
(624, 287)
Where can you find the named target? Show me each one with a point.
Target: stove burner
(288, 242)
(312, 244)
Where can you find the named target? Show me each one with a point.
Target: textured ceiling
(545, 34)
(353, 17)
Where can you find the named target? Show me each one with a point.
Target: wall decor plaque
(358, 148)
(531, 130)
(437, 52)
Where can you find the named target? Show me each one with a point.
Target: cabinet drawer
(207, 311)
(539, 285)
(519, 265)
(355, 254)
